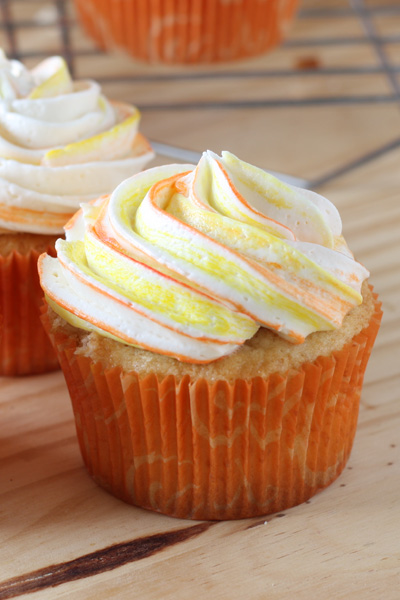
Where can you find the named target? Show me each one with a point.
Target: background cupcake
(62, 142)
(189, 31)
(214, 330)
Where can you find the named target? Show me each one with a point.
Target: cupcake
(61, 143)
(187, 32)
(213, 328)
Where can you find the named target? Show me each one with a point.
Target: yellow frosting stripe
(219, 264)
(213, 184)
(239, 278)
(289, 206)
(156, 294)
(230, 232)
(104, 145)
(58, 79)
(257, 244)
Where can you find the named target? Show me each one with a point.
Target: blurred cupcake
(191, 31)
(61, 143)
(213, 329)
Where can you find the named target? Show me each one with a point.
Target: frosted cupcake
(205, 31)
(214, 329)
(61, 143)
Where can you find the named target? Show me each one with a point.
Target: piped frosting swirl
(190, 261)
(61, 143)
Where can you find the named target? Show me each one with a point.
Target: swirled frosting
(61, 143)
(190, 261)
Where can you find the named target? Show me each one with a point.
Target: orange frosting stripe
(26, 216)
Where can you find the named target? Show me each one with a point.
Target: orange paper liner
(205, 450)
(25, 348)
(187, 31)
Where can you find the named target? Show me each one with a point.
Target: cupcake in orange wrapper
(191, 31)
(61, 143)
(213, 328)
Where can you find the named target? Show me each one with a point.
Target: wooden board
(63, 537)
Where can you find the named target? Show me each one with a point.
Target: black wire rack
(33, 29)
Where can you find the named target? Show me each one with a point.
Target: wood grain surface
(324, 106)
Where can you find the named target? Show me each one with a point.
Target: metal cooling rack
(58, 16)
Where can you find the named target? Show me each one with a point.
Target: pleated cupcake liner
(187, 31)
(25, 348)
(217, 450)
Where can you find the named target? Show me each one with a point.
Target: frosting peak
(191, 261)
(61, 143)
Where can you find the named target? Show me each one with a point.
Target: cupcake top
(61, 143)
(190, 261)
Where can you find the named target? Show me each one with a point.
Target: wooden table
(325, 107)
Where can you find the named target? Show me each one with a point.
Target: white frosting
(43, 112)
